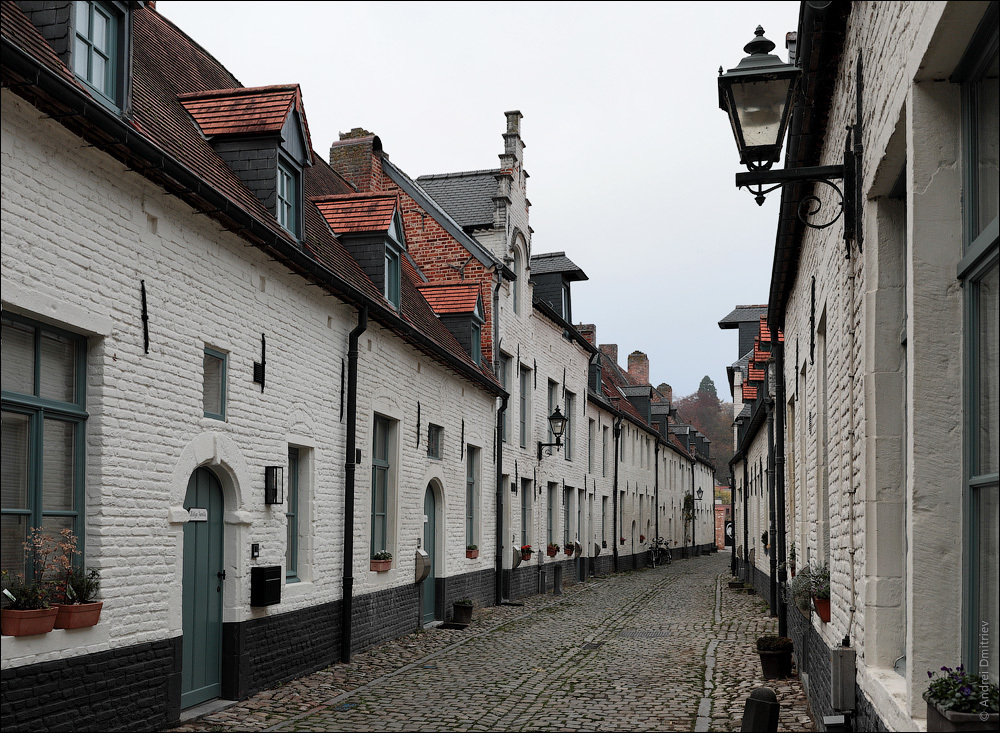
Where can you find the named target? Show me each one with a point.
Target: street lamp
(759, 97)
(557, 424)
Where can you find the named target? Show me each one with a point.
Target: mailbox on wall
(265, 585)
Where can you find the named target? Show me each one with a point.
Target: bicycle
(659, 552)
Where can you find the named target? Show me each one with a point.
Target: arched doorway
(201, 677)
(428, 589)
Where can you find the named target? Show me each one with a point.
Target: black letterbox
(265, 585)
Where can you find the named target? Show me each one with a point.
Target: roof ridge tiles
(238, 91)
(459, 174)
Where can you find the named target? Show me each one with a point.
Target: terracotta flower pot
(569, 550)
(526, 556)
(551, 551)
(472, 554)
(380, 566)
(822, 609)
(948, 720)
(27, 623)
(79, 615)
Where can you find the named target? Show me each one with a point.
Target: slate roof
(451, 298)
(743, 314)
(467, 197)
(549, 262)
(164, 144)
(354, 213)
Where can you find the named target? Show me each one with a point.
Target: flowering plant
(552, 546)
(382, 555)
(642, 538)
(961, 691)
(526, 550)
(820, 582)
(51, 573)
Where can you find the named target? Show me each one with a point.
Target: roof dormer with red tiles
(261, 134)
(459, 306)
(370, 226)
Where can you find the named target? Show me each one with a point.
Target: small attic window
(98, 48)
(391, 285)
(287, 202)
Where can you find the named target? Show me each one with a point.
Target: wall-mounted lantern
(557, 423)
(274, 484)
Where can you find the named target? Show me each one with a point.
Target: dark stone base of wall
(135, 688)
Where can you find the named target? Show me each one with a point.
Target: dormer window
(287, 207)
(391, 274)
(459, 305)
(95, 58)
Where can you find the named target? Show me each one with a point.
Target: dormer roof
(357, 213)
(556, 262)
(453, 298)
(245, 111)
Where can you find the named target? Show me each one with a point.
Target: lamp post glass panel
(757, 96)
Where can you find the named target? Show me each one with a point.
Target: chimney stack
(638, 367)
(610, 351)
(667, 391)
(589, 332)
(352, 157)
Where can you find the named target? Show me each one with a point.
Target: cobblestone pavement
(670, 648)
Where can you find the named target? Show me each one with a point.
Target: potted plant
(791, 559)
(463, 611)
(27, 610)
(526, 552)
(800, 591)
(820, 582)
(958, 701)
(569, 549)
(381, 561)
(621, 540)
(80, 607)
(472, 551)
(775, 656)
(552, 549)
(642, 538)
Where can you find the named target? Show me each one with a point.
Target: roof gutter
(192, 188)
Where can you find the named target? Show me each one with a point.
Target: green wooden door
(201, 678)
(430, 532)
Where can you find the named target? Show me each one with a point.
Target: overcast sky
(631, 161)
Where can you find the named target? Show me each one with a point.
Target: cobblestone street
(664, 649)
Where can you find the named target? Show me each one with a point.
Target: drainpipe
(779, 474)
(771, 512)
(498, 580)
(350, 466)
(614, 497)
(851, 488)
(732, 518)
(746, 525)
(656, 488)
(694, 512)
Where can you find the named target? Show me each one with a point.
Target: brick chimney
(638, 367)
(610, 351)
(588, 331)
(667, 391)
(353, 155)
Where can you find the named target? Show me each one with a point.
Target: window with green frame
(979, 273)
(567, 493)
(292, 518)
(287, 199)
(505, 383)
(43, 434)
(214, 389)
(524, 404)
(568, 430)
(391, 284)
(381, 470)
(98, 43)
(525, 512)
(471, 491)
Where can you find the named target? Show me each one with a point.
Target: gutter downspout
(694, 511)
(614, 498)
(732, 518)
(779, 475)
(498, 580)
(656, 488)
(771, 512)
(851, 488)
(746, 526)
(350, 467)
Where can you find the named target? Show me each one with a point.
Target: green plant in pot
(29, 598)
(820, 582)
(80, 607)
(800, 591)
(463, 611)
(775, 656)
(472, 551)
(958, 700)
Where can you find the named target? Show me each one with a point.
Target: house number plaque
(197, 514)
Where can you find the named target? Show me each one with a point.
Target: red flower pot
(551, 551)
(822, 609)
(380, 566)
(27, 623)
(569, 550)
(78, 616)
(526, 556)
(472, 554)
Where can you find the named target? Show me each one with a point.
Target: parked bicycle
(659, 552)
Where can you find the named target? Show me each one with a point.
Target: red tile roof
(358, 212)
(749, 392)
(756, 374)
(765, 332)
(447, 298)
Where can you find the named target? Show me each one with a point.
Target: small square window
(434, 440)
(214, 395)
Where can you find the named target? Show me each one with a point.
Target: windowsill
(890, 698)
(55, 643)
(296, 589)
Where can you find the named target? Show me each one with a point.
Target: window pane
(14, 533)
(100, 35)
(381, 440)
(988, 140)
(18, 358)
(214, 374)
(57, 466)
(988, 307)
(14, 468)
(989, 571)
(83, 19)
(97, 72)
(381, 482)
(81, 53)
(58, 367)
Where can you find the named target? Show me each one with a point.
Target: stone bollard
(760, 715)
(557, 580)
(541, 579)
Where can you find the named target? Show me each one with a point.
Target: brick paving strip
(663, 649)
